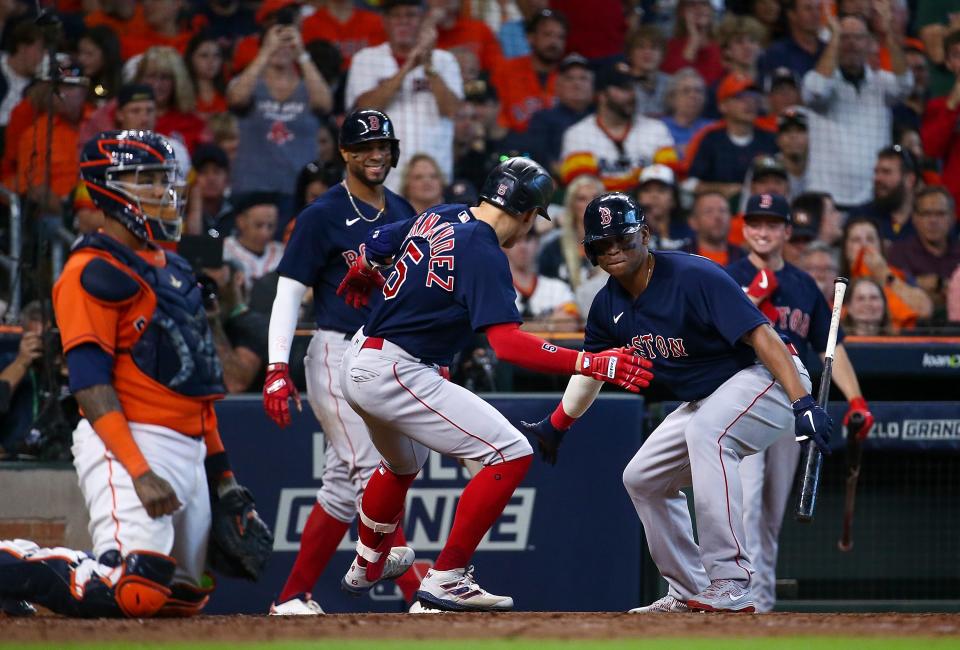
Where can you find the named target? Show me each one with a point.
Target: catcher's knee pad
(143, 588)
(186, 600)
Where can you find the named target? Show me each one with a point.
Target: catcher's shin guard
(143, 589)
(186, 600)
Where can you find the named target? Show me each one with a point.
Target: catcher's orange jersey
(115, 326)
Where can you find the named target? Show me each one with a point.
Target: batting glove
(859, 405)
(278, 388)
(623, 369)
(811, 422)
(763, 285)
(358, 283)
(549, 436)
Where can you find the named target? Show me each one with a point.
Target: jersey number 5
(400, 268)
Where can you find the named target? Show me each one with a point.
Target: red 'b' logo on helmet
(766, 201)
(605, 216)
(374, 123)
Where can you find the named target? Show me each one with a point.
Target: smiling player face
(765, 235)
(622, 256)
(368, 162)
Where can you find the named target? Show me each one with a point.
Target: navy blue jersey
(450, 279)
(325, 242)
(688, 322)
(803, 313)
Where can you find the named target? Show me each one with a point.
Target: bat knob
(844, 547)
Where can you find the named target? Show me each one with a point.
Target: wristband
(560, 420)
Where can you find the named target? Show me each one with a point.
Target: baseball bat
(812, 458)
(854, 455)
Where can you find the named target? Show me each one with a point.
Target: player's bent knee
(143, 589)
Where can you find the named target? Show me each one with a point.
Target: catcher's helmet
(113, 153)
(517, 185)
(610, 215)
(368, 125)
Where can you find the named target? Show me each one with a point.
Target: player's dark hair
(26, 33)
(932, 190)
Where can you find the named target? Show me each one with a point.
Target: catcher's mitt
(240, 542)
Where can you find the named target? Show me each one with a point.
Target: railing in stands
(10, 261)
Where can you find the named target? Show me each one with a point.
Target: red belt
(372, 343)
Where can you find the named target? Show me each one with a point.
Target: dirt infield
(480, 626)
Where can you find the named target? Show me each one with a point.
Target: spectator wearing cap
(644, 53)
(19, 65)
(31, 162)
(526, 84)
(161, 26)
(816, 217)
(909, 112)
(692, 44)
(941, 140)
(741, 40)
(209, 208)
(615, 143)
(685, 100)
(720, 155)
(544, 134)
(253, 247)
(455, 30)
(279, 99)
(894, 186)
(781, 91)
(930, 254)
(657, 195)
(513, 34)
(794, 143)
(850, 115)
(800, 49)
(345, 25)
(417, 85)
(710, 221)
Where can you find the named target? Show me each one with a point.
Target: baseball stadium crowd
(848, 108)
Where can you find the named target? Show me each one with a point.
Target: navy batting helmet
(113, 154)
(610, 215)
(369, 125)
(518, 185)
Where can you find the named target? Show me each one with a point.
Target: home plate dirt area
(540, 625)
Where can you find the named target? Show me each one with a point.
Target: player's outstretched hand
(812, 422)
(278, 388)
(859, 405)
(156, 495)
(358, 283)
(618, 367)
(548, 438)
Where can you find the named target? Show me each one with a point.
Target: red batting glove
(763, 285)
(859, 405)
(616, 367)
(358, 283)
(278, 388)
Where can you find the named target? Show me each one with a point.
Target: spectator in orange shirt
(122, 16)
(454, 30)
(161, 27)
(98, 53)
(204, 61)
(349, 28)
(526, 84)
(31, 162)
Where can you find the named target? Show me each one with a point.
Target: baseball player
(796, 308)
(144, 369)
(450, 279)
(326, 240)
(712, 348)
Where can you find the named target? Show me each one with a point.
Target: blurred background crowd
(849, 108)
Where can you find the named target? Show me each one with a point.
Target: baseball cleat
(399, 560)
(456, 590)
(299, 605)
(418, 608)
(666, 605)
(723, 596)
(18, 608)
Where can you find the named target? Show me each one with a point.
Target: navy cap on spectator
(134, 93)
(782, 75)
(544, 14)
(792, 117)
(209, 153)
(614, 74)
(767, 205)
(765, 165)
(461, 191)
(805, 226)
(390, 4)
(574, 60)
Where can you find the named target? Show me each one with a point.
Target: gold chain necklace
(357, 210)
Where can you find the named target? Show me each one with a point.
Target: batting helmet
(610, 215)
(369, 125)
(112, 154)
(517, 185)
